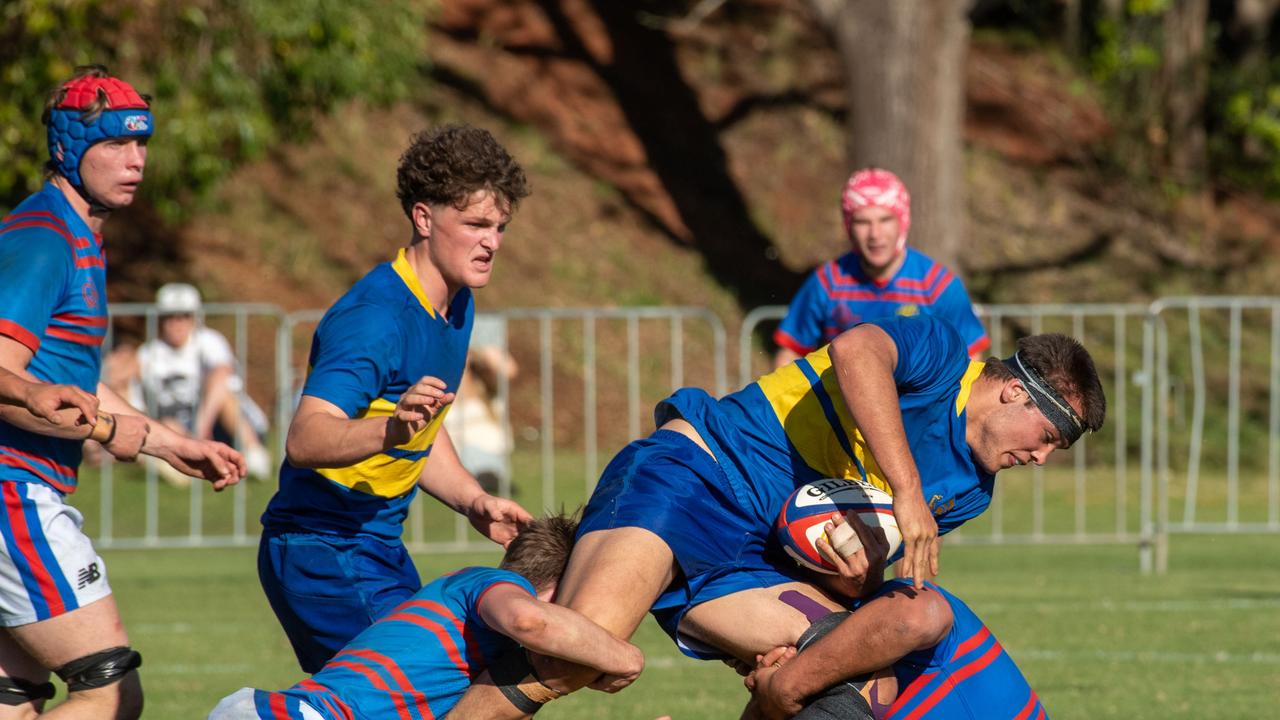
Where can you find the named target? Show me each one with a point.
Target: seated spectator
(476, 421)
(187, 376)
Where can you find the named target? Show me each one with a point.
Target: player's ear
(422, 218)
(1013, 391)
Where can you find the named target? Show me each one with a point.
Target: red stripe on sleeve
(91, 321)
(785, 340)
(19, 333)
(75, 337)
(979, 346)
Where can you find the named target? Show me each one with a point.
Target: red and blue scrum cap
(71, 134)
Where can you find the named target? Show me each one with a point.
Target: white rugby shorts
(48, 566)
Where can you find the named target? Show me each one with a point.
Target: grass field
(1096, 639)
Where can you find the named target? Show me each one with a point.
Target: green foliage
(229, 79)
(1249, 140)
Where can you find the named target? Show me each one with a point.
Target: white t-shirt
(173, 378)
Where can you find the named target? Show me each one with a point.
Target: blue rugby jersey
(414, 663)
(376, 342)
(54, 301)
(839, 295)
(967, 676)
(792, 426)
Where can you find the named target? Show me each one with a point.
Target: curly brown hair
(541, 551)
(448, 164)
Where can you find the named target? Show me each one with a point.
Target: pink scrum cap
(879, 188)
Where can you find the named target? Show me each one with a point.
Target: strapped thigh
(99, 669)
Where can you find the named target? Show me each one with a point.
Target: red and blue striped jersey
(839, 295)
(54, 301)
(967, 676)
(413, 664)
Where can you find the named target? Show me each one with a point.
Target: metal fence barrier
(1193, 386)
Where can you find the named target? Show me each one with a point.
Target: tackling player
(880, 277)
(55, 602)
(903, 652)
(945, 665)
(385, 362)
(428, 651)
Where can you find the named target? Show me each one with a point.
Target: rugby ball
(805, 513)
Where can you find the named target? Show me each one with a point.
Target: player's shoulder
(39, 227)
(920, 267)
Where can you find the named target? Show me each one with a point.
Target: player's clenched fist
(416, 407)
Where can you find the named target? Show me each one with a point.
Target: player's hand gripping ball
(804, 514)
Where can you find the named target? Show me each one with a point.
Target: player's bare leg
(753, 622)
(613, 578)
(30, 652)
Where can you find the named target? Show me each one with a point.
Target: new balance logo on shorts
(88, 576)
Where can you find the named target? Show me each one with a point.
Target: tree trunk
(904, 70)
(1186, 85)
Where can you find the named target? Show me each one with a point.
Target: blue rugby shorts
(669, 486)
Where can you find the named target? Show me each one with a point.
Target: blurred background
(1084, 165)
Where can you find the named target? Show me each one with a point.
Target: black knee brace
(515, 677)
(843, 700)
(16, 691)
(99, 669)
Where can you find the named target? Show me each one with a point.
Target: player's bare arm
(864, 359)
(444, 478)
(560, 632)
(322, 436)
(135, 433)
(883, 631)
(61, 411)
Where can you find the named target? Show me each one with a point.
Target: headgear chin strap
(1047, 399)
(71, 135)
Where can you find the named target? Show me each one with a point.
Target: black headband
(1053, 405)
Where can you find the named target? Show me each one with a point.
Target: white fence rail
(1191, 444)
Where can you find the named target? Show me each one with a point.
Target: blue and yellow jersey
(53, 300)
(376, 342)
(415, 662)
(967, 676)
(839, 295)
(792, 426)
